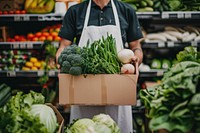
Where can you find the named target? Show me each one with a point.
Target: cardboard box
(100, 89)
(60, 119)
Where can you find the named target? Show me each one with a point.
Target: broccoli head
(67, 50)
(65, 67)
(70, 57)
(77, 60)
(76, 70)
(64, 57)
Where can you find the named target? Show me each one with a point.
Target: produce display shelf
(180, 15)
(31, 17)
(51, 73)
(169, 44)
(24, 45)
(140, 15)
(54, 73)
(152, 73)
(169, 15)
(148, 15)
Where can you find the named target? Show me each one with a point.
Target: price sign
(22, 45)
(41, 18)
(194, 44)
(170, 44)
(52, 73)
(17, 18)
(29, 45)
(188, 15)
(160, 73)
(26, 18)
(40, 73)
(161, 44)
(11, 74)
(15, 46)
(180, 15)
(165, 15)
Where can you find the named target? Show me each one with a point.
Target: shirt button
(101, 11)
(101, 19)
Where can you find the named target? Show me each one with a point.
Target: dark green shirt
(73, 22)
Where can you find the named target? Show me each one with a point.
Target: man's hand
(135, 59)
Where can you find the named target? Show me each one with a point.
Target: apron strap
(87, 14)
(116, 16)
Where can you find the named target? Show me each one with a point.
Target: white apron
(121, 114)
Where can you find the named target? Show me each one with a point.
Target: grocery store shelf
(169, 15)
(156, 44)
(31, 17)
(169, 44)
(152, 73)
(180, 15)
(24, 45)
(148, 15)
(51, 73)
(54, 73)
(59, 17)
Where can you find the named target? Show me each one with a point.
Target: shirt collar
(95, 5)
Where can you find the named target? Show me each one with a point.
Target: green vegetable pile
(71, 60)
(101, 123)
(99, 57)
(16, 116)
(164, 5)
(174, 104)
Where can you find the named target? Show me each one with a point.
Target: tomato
(38, 34)
(30, 36)
(5, 12)
(17, 37)
(54, 34)
(50, 38)
(57, 38)
(23, 11)
(57, 29)
(45, 34)
(17, 12)
(11, 12)
(42, 38)
(35, 39)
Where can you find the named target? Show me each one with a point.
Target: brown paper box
(60, 119)
(100, 89)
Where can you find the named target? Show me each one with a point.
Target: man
(90, 20)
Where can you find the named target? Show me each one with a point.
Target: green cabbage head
(108, 121)
(46, 116)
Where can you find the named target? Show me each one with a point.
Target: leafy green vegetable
(108, 121)
(84, 125)
(175, 5)
(188, 54)
(101, 123)
(15, 116)
(46, 116)
(174, 104)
